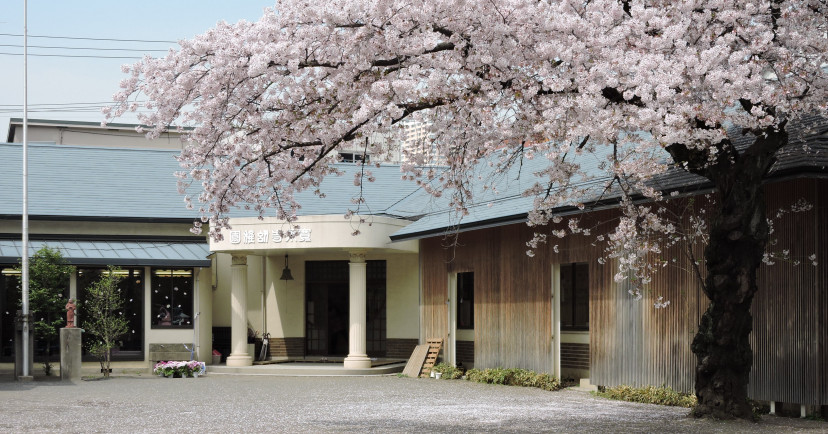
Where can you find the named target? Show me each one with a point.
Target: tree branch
(613, 95)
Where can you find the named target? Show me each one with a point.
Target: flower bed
(179, 369)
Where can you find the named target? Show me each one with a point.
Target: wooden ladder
(434, 346)
(423, 358)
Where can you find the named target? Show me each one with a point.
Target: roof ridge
(90, 147)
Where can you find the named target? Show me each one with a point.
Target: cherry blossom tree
(646, 85)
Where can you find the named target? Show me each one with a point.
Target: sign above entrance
(268, 235)
(264, 236)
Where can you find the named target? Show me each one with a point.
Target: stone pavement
(248, 403)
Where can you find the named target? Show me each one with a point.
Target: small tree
(104, 319)
(48, 279)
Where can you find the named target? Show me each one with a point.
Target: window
(172, 298)
(9, 304)
(465, 301)
(575, 297)
(131, 287)
(10, 296)
(353, 157)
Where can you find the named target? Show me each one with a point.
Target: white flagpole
(25, 255)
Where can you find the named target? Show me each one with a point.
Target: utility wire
(72, 55)
(88, 110)
(68, 107)
(90, 39)
(63, 104)
(82, 48)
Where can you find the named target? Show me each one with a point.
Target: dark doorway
(327, 308)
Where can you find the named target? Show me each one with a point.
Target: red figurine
(70, 313)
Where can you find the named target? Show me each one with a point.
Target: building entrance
(327, 308)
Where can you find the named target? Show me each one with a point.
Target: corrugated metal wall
(636, 344)
(789, 335)
(630, 341)
(821, 221)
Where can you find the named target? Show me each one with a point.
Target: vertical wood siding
(630, 341)
(821, 221)
(789, 337)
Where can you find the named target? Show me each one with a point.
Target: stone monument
(70, 346)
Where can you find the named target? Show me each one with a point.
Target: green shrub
(649, 395)
(448, 372)
(514, 377)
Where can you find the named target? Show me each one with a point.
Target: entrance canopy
(135, 253)
(329, 232)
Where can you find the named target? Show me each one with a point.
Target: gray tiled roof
(381, 195)
(133, 253)
(807, 153)
(121, 183)
(91, 182)
(503, 204)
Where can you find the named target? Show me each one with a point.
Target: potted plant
(179, 369)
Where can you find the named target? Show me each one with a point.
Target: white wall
(286, 298)
(204, 308)
(403, 296)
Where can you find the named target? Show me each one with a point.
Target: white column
(73, 294)
(357, 356)
(73, 285)
(149, 311)
(238, 314)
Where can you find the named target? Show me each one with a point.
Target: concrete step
(304, 369)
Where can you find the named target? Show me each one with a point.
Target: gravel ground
(248, 403)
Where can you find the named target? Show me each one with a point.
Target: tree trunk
(738, 235)
(107, 360)
(737, 240)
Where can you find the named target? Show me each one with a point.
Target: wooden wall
(790, 312)
(630, 341)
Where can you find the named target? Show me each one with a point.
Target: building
(109, 206)
(112, 135)
(559, 311)
(119, 206)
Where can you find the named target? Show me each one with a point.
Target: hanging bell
(286, 272)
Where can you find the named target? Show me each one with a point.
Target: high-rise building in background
(391, 148)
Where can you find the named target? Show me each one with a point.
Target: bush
(514, 377)
(448, 372)
(649, 395)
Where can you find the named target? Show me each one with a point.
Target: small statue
(166, 318)
(70, 313)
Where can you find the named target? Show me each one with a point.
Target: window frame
(572, 303)
(463, 279)
(190, 292)
(139, 293)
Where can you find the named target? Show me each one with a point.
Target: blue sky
(84, 80)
